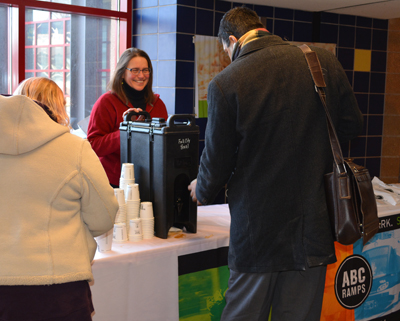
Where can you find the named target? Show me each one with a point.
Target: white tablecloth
(139, 281)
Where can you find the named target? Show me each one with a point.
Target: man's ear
(232, 40)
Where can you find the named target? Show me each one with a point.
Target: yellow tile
(362, 60)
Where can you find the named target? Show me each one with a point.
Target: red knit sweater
(103, 130)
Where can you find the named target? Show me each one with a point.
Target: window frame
(125, 14)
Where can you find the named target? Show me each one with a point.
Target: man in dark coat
(267, 138)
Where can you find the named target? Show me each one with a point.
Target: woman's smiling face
(137, 82)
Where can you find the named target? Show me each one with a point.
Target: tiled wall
(391, 121)
(165, 29)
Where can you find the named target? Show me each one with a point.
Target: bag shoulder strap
(318, 78)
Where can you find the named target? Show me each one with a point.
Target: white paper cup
(104, 241)
(127, 171)
(123, 183)
(136, 237)
(132, 192)
(135, 226)
(148, 227)
(146, 210)
(120, 195)
(119, 233)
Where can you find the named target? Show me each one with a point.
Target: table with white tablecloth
(170, 279)
(140, 281)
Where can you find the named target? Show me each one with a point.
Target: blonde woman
(56, 199)
(47, 92)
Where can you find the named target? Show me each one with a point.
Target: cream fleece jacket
(55, 198)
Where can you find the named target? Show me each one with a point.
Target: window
(76, 46)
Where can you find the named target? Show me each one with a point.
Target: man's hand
(192, 189)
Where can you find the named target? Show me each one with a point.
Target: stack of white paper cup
(132, 199)
(127, 175)
(121, 214)
(119, 232)
(147, 217)
(104, 241)
(135, 230)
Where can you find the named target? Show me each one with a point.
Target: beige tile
(392, 83)
(394, 24)
(393, 62)
(392, 104)
(390, 167)
(391, 146)
(391, 125)
(393, 41)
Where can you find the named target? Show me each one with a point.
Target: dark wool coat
(267, 137)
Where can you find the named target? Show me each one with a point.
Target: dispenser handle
(129, 115)
(172, 120)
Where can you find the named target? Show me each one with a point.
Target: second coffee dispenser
(165, 156)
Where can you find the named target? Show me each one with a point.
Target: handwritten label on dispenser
(184, 143)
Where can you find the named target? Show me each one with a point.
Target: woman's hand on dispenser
(192, 189)
(136, 110)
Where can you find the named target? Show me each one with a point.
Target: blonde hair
(47, 92)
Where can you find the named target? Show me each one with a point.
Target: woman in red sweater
(130, 89)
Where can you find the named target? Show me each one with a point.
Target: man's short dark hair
(237, 22)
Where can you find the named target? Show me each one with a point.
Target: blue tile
(166, 73)
(184, 47)
(374, 146)
(187, 2)
(270, 25)
(223, 6)
(283, 13)
(378, 81)
(184, 74)
(357, 147)
(374, 166)
(149, 44)
(363, 38)
(168, 97)
(206, 4)
(217, 20)
(146, 3)
(375, 125)
(376, 104)
(361, 82)
(329, 33)
(303, 31)
(346, 58)
(329, 17)
(284, 29)
(204, 24)
(346, 36)
(167, 46)
(166, 2)
(167, 19)
(264, 11)
(136, 21)
(184, 101)
(347, 20)
(136, 41)
(365, 125)
(380, 24)
(149, 23)
(154, 65)
(300, 15)
(349, 74)
(186, 20)
(364, 22)
(379, 39)
(202, 123)
(362, 100)
(378, 61)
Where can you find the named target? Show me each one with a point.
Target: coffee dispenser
(165, 155)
